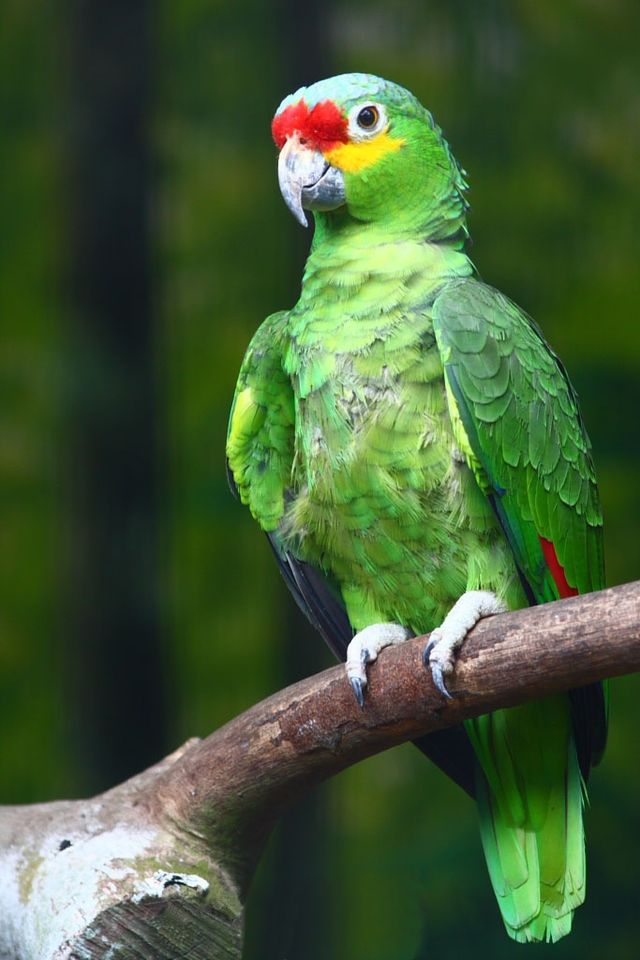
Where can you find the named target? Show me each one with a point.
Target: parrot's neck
(439, 222)
(346, 253)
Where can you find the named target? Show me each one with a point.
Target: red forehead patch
(322, 128)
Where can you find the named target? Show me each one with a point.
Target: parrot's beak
(307, 181)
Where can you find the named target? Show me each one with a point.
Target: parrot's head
(363, 145)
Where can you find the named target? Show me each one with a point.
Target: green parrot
(415, 453)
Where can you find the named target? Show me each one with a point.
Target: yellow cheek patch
(353, 157)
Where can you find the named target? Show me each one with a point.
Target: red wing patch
(557, 571)
(322, 128)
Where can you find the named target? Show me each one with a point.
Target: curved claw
(363, 650)
(358, 690)
(438, 679)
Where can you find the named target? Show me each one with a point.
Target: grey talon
(358, 692)
(438, 679)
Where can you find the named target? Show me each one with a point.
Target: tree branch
(164, 861)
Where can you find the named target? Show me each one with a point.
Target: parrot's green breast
(382, 499)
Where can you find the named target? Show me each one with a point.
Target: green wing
(260, 439)
(260, 456)
(517, 421)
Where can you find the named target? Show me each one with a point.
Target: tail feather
(530, 798)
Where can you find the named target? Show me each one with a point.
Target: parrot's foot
(440, 653)
(365, 647)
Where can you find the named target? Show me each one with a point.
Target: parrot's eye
(368, 117)
(367, 121)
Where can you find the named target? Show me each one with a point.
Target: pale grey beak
(307, 181)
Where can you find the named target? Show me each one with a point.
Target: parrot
(415, 453)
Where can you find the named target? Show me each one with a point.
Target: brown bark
(208, 809)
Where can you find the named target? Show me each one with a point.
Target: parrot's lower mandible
(415, 453)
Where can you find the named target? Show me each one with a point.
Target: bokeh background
(142, 241)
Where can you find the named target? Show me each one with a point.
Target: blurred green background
(143, 240)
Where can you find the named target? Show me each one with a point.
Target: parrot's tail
(530, 797)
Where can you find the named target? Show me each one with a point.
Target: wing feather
(529, 452)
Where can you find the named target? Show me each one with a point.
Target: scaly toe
(364, 649)
(445, 641)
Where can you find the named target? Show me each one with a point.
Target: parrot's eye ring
(367, 120)
(368, 117)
